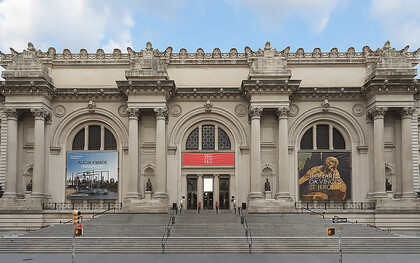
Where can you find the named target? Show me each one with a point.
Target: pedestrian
(199, 206)
(217, 207)
(180, 206)
(234, 206)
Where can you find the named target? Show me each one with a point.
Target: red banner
(208, 159)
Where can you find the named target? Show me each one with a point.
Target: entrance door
(208, 193)
(224, 193)
(191, 193)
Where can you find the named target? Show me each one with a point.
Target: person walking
(217, 207)
(181, 203)
(199, 206)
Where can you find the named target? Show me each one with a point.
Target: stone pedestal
(267, 195)
(148, 195)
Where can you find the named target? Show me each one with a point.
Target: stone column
(369, 124)
(407, 153)
(133, 153)
(216, 190)
(48, 123)
(11, 168)
(255, 116)
(39, 153)
(283, 151)
(200, 189)
(378, 114)
(161, 115)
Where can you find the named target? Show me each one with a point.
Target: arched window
(211, 137)
(326, 137)
(98, 138)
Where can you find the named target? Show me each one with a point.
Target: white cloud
(400, 20)
(272, 12)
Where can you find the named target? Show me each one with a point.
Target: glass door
(224, 193)
(191, 193)
(208, 193)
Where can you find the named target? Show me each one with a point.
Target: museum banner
(324, 176)
(92, 175)
(208, 159)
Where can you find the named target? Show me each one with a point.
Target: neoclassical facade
(266, 128)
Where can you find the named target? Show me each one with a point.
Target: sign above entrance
(208, 159)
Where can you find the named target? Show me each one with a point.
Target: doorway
(208, 193)
(191, 193)
(224, 193)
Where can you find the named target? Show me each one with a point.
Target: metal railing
(167, 232)
(82, 206)
(248, 234)
(335, 206)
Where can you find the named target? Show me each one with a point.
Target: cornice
(145, 87)
(208, 93)
(216, 56)
(268, 86)
(391, 86)
(26, 87)
(310, 93)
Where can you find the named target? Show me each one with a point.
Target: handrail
(312, 211)
(103, 212)
(167, 232)
(248, 234)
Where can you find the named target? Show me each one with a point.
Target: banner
(92, 175)
(208, 159)
(324, 176)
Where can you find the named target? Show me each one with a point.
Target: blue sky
(207, 24)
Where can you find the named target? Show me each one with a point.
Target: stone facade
(261, 107)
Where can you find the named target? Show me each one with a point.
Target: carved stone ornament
(407, 112)
(208, 106)
(39, 113)
(255, 112)
(161, 113)
(358, 110)
(294, 110)
(377, 112)
(240, 110)
(122, 111)
(91, 106)
(11, 113)
(176, 110)
(59, 111)
(325, 105)
(133, 113)
(282, 112)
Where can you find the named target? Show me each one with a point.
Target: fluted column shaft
(407, 153)
(39, 153)
(11, 169)
(255, 115)
(216, 190)
(161, 115)
(48, 123)
(283, 176)
(378, 114)
(133, 153)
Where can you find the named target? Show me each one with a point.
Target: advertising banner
(92, 175)
(208, 159)
(324, 176)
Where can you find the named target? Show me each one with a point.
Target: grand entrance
(208, 189)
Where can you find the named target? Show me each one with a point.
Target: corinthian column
(161, 115)
(255, 116)
(283, 176)
(407, 153)
(11, 168)
(133, 153)
(48, 123)
(378, 114)
(39, 153)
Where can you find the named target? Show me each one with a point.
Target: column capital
(161, 113)
(377, 112)
(255, 112)
(133, 113)
(40, 113)
(407, 112)
(11, 113)
(282, 112)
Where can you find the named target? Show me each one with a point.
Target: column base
(267, 195)
(10, 195)
(408, 195)
(161, 195)
(148, 195)
(255, 195)
(283, 196)
(379, 195)
(132, 195)
(37, 195)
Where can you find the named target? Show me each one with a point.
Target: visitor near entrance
(217, 207)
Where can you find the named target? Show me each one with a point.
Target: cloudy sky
(191, 24)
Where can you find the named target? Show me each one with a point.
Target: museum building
(264, 128)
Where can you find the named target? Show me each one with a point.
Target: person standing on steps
(217, 207)
(234, 206)
(199, 206)
(181, 203)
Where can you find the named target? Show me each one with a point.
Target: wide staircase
(209, 233)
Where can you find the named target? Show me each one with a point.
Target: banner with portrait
(324, 176)
(92, 175)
